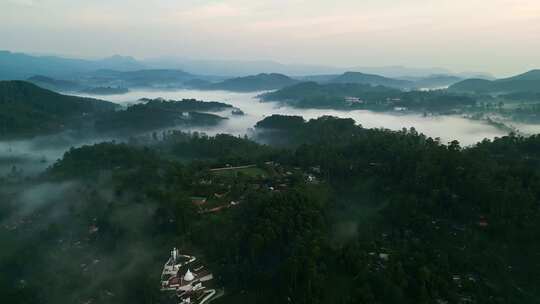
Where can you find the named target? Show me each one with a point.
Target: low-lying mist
(34, 155)
(448, 128)
(69, 224)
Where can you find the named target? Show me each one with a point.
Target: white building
(183, 275)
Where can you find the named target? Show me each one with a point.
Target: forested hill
(139, 78)
(55, 84)
(27, 110)
(188, 105)
(346, 96)
(527, 82)
(314, 95)
(374, 80)
(260, 82)
(380, 216)
(158, 113)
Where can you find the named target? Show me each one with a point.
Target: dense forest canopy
(527, 82)
(27, 110)
(260, 82)
(374, 80)
(157, 114)
(365, 96)
(387, 216)
(187, 105)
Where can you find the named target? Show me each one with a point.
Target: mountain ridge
(525, 82)
(27, 110)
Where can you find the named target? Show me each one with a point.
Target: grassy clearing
(251, 172)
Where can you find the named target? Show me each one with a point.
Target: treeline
(187, 105)
(152, 116)
(27, 110)
(365, 96)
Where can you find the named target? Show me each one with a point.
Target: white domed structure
(188, 277)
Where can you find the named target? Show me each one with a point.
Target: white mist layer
(34, 155)
(448, 128)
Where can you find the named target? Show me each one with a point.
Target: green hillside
(28, 110)
(375, 80)
(527, 82)
(260, 82)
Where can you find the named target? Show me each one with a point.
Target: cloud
(211, 11)
(22, 2)
(340, 32)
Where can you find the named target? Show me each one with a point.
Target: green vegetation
(374, 80)
(527, 82)
(59, 85)
(522, 96)
(251, 171)
(314, 95)
(187, 105)
(55, 84)
(364, 96)
(27, 110)
(105, 91)
(260, 82)
(155, 115)
(342, 214)
(160, 78)
(281, 122)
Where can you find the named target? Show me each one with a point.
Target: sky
(501, 37)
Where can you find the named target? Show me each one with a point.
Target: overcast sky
(497, 36)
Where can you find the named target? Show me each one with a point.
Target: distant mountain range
(374, 80)
(237, 68)
(22, 66)
(429, 82)
(260, 82)
(526, 82)
(116, 82)
(275, 81)
(104, 82)
(138, 78)
(118, 73)
(55, 84)
(18, 66)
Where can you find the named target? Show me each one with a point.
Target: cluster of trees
(187, 105)
(152, 116)
(222, 149)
